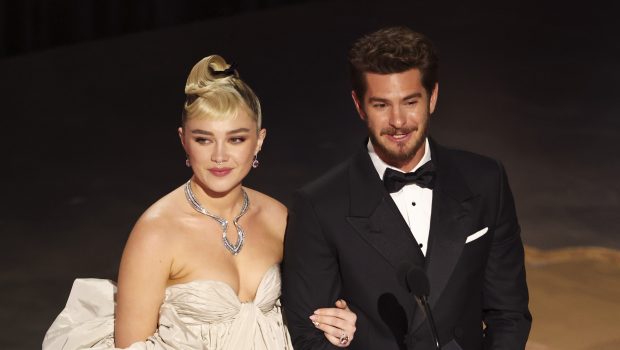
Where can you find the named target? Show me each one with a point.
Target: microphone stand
(415, 280)
(423, 303)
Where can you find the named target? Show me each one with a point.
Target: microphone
(415, 281)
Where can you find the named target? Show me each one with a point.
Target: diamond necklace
(233, 248)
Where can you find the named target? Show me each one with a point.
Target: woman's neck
(224, 204)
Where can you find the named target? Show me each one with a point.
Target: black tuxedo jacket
(346, 239)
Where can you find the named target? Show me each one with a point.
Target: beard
(405, 151)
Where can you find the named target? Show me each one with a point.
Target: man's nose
(397, 117)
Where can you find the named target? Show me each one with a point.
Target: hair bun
(207, 72)
(214, 89)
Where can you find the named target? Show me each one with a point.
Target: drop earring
(255, 162)
(187, 163)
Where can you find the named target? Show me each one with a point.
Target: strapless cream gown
(196, 315)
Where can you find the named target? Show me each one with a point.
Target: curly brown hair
(392, 50)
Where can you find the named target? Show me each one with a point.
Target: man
(351, 230)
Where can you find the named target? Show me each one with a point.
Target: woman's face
(221, 151)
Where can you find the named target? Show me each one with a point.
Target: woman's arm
(143, 274)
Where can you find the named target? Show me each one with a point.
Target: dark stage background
(89, 129)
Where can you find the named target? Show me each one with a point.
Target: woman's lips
(220, 171)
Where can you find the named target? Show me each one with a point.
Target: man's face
(396, 109)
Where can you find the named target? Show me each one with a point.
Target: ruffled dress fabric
(196, 315)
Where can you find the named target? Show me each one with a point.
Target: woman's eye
(202, 140)
(237, 139)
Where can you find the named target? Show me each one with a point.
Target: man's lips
(398, 137)
(220, 171)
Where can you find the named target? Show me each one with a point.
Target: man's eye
(411, 102)
(379, 105)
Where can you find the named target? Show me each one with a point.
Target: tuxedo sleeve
(505, 295)
(310, 275)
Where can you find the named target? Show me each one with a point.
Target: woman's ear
(182, 138)
(262, 133)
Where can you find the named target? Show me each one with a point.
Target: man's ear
(434, 96)
(358, 105)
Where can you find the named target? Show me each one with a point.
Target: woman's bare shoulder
(266, 204)
(270, 210)
(156, 226)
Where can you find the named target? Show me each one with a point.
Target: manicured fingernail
(313, 317)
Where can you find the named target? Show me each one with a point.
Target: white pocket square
(476, 235)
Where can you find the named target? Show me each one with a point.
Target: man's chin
(400, 159)
(396, 155)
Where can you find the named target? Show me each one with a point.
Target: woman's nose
(219, 155)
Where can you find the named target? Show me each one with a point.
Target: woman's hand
(337, 323)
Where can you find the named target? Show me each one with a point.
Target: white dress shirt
(413, 201)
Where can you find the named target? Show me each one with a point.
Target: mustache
(393, 131)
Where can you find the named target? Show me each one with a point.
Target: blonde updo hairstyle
(214, 90)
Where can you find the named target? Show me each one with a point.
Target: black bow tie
(394, 180)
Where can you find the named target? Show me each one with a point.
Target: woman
(200, 268)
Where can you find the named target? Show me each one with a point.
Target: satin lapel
(451, 220)
(376, 218)
(384, 231)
